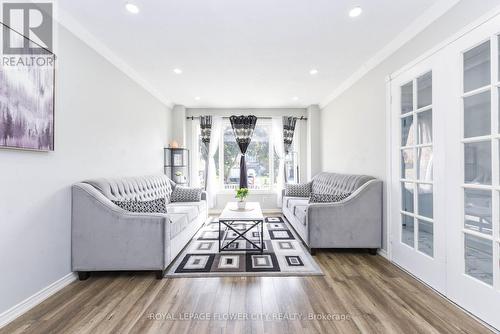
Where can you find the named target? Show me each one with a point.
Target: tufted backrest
(335, 184)
(142, 188)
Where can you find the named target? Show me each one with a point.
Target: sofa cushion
(335, 184)
(286, 200)
(143, 188)
(298, 190)
(292, 203)
(301, 213)
(200, 206)
(327, 198)
(186, 194)
(178, 222)
(190, 210)
(154, 206)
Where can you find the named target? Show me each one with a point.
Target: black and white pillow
(186, 194)
(327, 198)
(298, 190)
(155, 206)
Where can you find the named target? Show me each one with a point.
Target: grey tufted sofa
(105, 237)
(355, 222)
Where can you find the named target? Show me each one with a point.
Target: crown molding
(418, 25)
(70, 23)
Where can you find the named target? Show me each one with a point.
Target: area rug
(283, 255)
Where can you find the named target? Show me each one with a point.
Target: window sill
(251, 192)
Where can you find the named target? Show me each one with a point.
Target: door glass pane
(478, 210)
(424, 90)
(407, 191)
(407, 98)
(479, 258)
(407, 131)
(477, 67)
(424, 121)
(407, 230)
(425, 164)
(425, 200)
(478, 162)
(426, 237)
(407, 165)
(477, 115)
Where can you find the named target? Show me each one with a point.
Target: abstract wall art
(27, 101)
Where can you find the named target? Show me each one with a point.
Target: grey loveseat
(104, 237)
(355, 222)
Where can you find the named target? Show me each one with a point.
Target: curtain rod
(301, 118)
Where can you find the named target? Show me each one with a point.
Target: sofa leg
(312, 251)
(161, 273)
(373, 251)
(83, 275)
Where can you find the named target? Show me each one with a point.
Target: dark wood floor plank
(374, 295)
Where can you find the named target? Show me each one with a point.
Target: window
(262, 161)
(417, 197)
(258, 156)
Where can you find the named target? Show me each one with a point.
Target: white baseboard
(383, 253)
(30, 302)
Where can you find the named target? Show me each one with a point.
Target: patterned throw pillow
(298, 190)
(327, 198)
(186, 194)
(154, 206)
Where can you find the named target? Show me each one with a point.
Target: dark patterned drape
(288, 130)
(243, 127)
(206, 130)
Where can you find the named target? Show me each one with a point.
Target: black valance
(243, 127)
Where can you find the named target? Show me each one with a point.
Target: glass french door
(474, 179)
(445, 150)
(417, 226)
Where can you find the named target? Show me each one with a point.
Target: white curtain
(195, 147)
(212, 184)
(279, 148)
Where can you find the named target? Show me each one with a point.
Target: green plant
(241, 193)
(178, 173)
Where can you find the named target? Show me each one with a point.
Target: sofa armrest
(354, 222)
(106, 237)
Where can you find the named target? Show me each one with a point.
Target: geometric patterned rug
(283, 255)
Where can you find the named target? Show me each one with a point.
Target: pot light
(132, 8)
(197, 98)
(177, 71)
(355, 12)
(295, 98)
(313, 71)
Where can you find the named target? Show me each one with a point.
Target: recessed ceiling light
(132, 8)
(295, 98)
(177, 71)
(355, 12)
(313, 71)
(197, 98)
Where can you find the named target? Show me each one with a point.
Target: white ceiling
(245, 53)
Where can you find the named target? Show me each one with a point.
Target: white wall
(353, 125)
(106, 125)
(313, 141)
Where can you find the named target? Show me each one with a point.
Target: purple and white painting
(27, 107)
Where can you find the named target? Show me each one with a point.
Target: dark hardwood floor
(359, 293)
